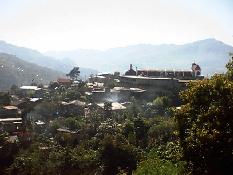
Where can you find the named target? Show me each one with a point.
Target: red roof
(63, 80)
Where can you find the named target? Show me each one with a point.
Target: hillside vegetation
(16, 71)
(64, 65)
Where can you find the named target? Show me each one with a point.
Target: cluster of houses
(112, 91)
(141, 84)
(13, 110)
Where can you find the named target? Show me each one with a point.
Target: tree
(55, 160)
(5, 98)
(205, 125)
(73, 123)
(229, 67)
(161, 104)
(14, 89)
(141, 132)
(107, 109)
(155, 165)
(162, 131)
(134, 108)
(117, 155)
(74, 73)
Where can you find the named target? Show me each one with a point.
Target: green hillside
(16, 71)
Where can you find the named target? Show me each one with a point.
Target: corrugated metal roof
(10, 119)
(30, 88)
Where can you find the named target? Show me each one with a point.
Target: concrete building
(193, 73)
(160, 82)
(131, 71)
(74, 107)
(117, 94)
(11, 119)
(31, 91)
(147, 83)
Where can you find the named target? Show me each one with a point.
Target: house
(5, 98)
(27, 105)
(11, 119)
(97, 78)
(31, 91)
(66, 136)
(115, 106)
(39, 126)
(74, 107)
(9, 111)
(124, 93)
(64, 82)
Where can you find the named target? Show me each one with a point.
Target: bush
(157, 166)
(205, 124)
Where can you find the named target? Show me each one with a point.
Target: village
(100, 90)
(69, 110)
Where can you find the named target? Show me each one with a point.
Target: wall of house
(154, 86)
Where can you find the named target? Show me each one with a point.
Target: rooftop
(66, 130)
(30, 88)
(40, 122)
(127, 89)
(10, 119)
(63, 80)
(74, 102)
(115, 106)
(151, 78)
(164, 70)
(137, 90)
(10, 107)
(35, 99)
(100, 76)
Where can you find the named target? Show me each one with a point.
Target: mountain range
(210, 54)
(40, 59)
(20, 65)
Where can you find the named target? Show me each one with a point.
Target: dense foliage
(205, 125)
(145, 138)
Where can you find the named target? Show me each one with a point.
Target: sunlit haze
(101, 24)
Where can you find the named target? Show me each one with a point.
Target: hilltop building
(157, 82)
(194, 73)
(196, 69)
(131, 71)
(140, 84)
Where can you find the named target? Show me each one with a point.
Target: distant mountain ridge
(19, 72)
(38, 58)
(211, 54)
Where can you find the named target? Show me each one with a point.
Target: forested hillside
(16, 71)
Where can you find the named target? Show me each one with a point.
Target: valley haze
(211, 54)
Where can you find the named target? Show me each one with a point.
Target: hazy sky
(100, 24)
